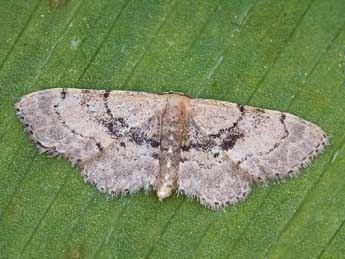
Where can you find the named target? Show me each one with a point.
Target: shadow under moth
(207, 149)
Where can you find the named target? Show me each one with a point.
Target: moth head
(176, 93)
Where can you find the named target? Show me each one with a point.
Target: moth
(207, 149)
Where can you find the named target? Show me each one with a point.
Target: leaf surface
(282, 55)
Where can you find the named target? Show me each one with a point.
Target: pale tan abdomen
(173, 122)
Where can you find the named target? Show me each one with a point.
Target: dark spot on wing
(117, 127)
(137, 136)
(122, 144)
(225, 138)
(155, 155)
(153, 143)
(230, 140)
(229, 136)
(185, 148)
(183, 159)
(112, 128)
(215, 155)
(114, 125)
(99, 146)
(204, 145)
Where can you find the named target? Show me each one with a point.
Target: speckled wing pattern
(211, 150)
(229, 146)
(114, 136)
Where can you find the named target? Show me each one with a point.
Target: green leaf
(287, 55)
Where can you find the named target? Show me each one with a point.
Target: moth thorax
(172, 128)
